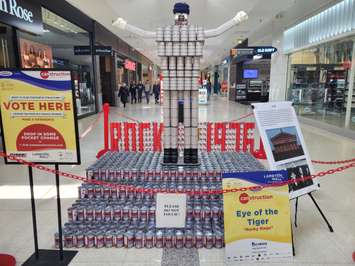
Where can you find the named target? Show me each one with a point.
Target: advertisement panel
(284, 144)
(35, 55)
(257, 224)
(38, 116)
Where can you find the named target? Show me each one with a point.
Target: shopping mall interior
(117, 115)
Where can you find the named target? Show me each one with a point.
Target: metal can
(219, 239)
(149, 239)
(71, 215)
(159, 239)
(139, 239)
(108, 213)
(129, 239)
(89, 213)
(199, 239)
(98, 213)
(169, 238)
(68, 239)
(134, 213)
(99, 239)
(117, 213)
(109, 239)
(209, 239)
(179, 239)
(83, 191)
(90, 191)
(89, 239)
(80, 214)
(107, 192)
(80, 239)
(119, 239)
(189, 237)
(56, 240)
(98, 192)
(151, 212)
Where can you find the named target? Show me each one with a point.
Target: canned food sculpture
(180, 48)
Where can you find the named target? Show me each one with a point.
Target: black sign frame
(75, 117)
(25, 15)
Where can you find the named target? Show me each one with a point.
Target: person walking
(133, 92)
(147, 91)
(140, 89)
(123, 94)
(156, 91)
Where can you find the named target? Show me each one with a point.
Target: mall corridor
(314, 244)
(168, 133)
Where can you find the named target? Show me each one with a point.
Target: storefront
(250, 73)
(124, 65)
(321, 69)
(48, 42)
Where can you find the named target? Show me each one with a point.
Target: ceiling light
(45, 30)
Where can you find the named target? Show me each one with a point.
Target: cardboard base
(50, 257)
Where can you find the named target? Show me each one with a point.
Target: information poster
(257, 224)
(170, 210)
(284, 144)
(38, 116)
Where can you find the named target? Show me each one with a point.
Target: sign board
(82, 50)
(170, 210)
(257, 223)
(102, 50)
(284, 144)
(202, 95)
(253, 50)
(38, 116)
(130, 65)
(242, 51)
(23, 14)
(264, 50)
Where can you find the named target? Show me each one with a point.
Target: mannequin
(180, 49)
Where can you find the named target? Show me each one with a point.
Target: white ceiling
(148, 14)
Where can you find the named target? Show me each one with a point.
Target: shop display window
(55, 49)
(318, 82)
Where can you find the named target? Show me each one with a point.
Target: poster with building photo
(35, 55)
(284, 144)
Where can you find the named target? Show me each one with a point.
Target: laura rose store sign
(23, 14)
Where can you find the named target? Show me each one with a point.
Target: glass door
(6, 47)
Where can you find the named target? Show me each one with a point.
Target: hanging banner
(257, 224)
(38, 116)
(284, 144)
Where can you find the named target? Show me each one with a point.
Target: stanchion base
(50, 257)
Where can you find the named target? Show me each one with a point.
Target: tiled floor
(313, 242)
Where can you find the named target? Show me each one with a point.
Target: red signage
(130, 65)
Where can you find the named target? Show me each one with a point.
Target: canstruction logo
(244, 198)
(44, 74)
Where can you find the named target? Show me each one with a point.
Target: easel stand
(45, 257)
(318, 208)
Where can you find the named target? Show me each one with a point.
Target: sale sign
(257, 222)
(38, 116)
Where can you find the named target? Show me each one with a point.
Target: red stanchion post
(106, 109)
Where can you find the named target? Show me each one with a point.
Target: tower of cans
(180, 49)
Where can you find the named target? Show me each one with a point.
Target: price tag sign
(170, 210)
